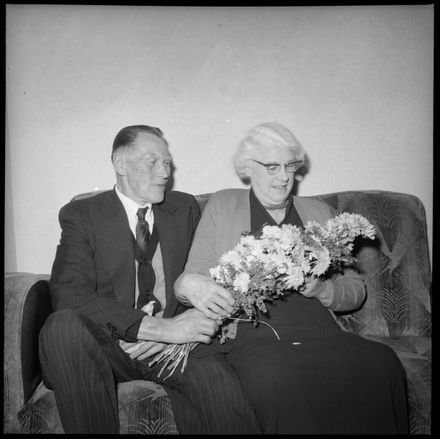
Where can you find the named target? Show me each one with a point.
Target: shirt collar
(131, 208)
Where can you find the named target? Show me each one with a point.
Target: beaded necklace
(280, 206)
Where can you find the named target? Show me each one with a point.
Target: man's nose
(163, 170)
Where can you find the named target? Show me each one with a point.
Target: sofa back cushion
(395, 266)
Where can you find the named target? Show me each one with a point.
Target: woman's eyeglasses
(274, 168)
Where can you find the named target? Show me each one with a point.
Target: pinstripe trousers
(82, 363)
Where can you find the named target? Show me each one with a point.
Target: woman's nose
(283, 175)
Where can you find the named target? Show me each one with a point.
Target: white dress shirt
(131, 208)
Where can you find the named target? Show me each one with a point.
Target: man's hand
(189, 326)
(205, 294)
(140, 350)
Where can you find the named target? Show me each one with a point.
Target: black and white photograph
(218, 219)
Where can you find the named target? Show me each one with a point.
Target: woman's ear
(120, 163)
(246, 174)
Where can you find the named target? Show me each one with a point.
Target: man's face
(146, 169)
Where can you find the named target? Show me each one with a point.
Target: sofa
(397, 271)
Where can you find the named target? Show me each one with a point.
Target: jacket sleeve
(203, 253)
(344, 291)
(73, 282)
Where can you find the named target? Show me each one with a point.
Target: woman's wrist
(326, 292)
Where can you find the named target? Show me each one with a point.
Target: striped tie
(145, 247)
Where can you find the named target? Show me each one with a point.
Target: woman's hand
(204, 294)
(312, 287)
(140, 350)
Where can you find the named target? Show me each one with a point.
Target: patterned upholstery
(395, 266)
(144, 408)
(397, 272)
(397, 312)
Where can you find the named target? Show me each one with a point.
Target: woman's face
(271, 189)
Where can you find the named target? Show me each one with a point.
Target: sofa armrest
(27, 305)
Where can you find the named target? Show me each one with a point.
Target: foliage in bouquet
(335, 239)
(261, 268)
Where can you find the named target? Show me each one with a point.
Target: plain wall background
(354, 84)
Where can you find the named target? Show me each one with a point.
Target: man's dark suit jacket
(94, 268)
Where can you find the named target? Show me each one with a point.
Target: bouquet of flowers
(261, 268)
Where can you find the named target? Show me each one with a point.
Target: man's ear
(119, 163)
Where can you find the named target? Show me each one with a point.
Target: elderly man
(112, 289)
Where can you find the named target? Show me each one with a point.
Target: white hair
(261, 136)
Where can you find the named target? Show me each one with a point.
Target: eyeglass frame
(278, 166)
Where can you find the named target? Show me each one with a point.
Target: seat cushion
(144, 408)
(40, 415)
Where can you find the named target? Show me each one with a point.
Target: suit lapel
(166, 219)
(116, 244)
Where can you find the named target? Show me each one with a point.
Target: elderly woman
(317, 378)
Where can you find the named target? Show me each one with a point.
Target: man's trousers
(82, 363)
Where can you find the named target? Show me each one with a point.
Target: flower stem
(173, 354)
(260, 321)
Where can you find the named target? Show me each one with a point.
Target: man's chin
(157, 197)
